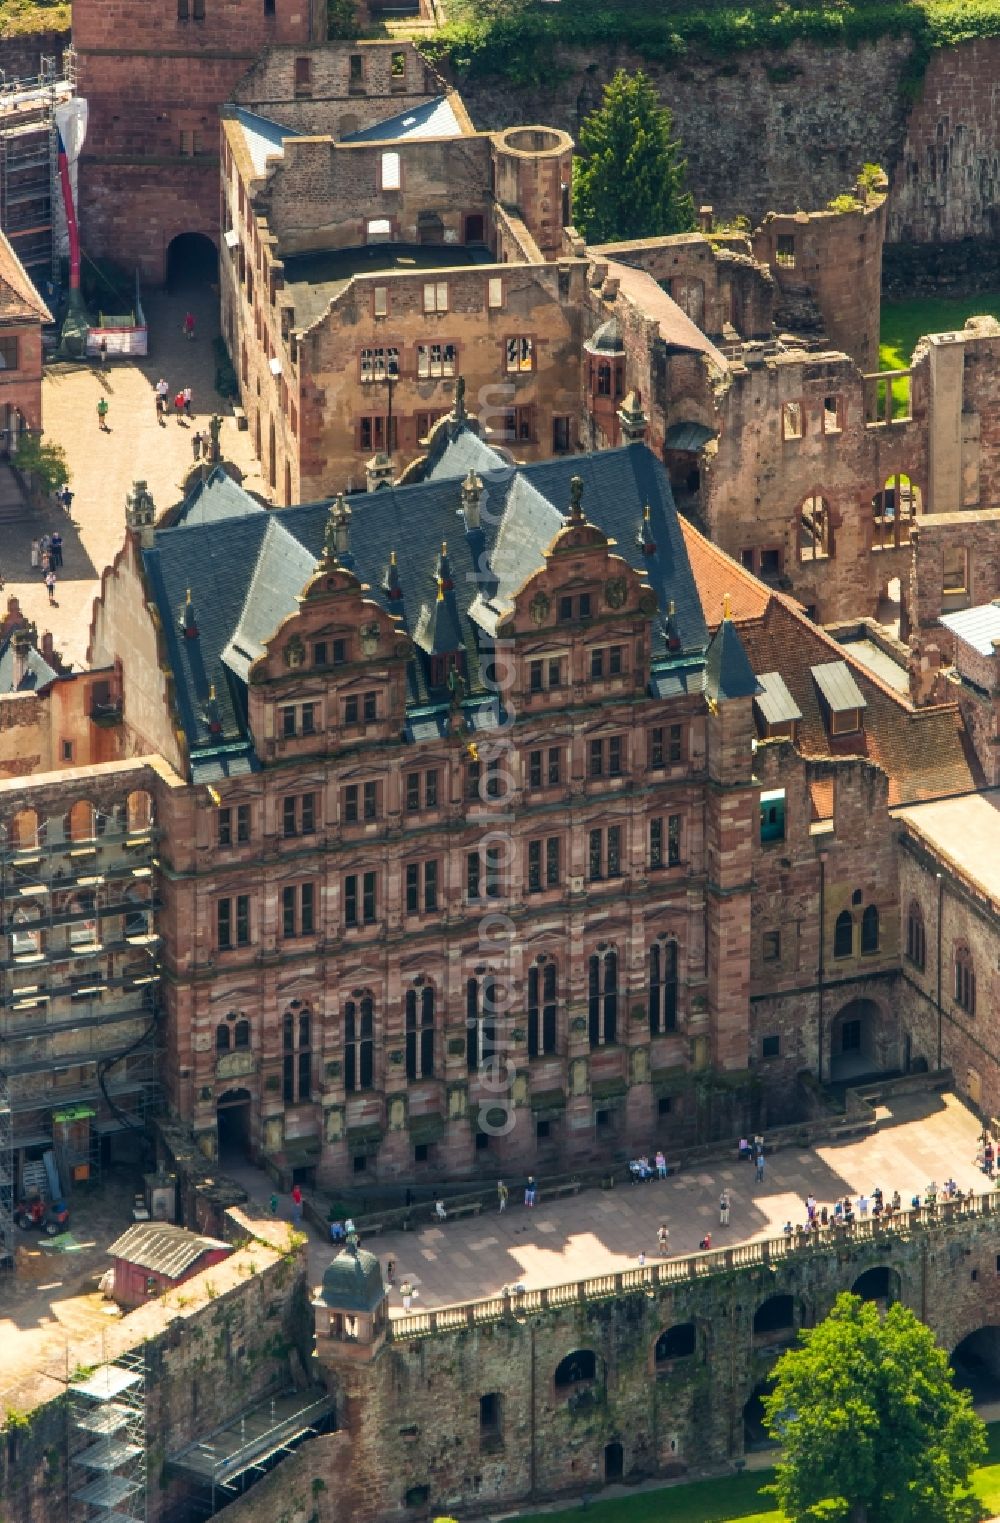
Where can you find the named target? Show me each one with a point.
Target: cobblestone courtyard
(104, 466)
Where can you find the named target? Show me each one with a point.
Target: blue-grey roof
(246, 573)
(264, 138)
(215, 498)
(775, 702)
(728, 673)
(38, 672)
(977, 627)
(433, 118)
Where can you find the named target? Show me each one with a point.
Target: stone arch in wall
(234, 1121)
(880, 1284)
(862, 1041)
(976, 1364)
(191, 263)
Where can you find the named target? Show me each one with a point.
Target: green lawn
(903, 322)
(735, 1499)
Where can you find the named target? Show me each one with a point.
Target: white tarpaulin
(71, 119)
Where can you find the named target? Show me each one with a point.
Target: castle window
(435, 361)
(298, 910)
(9, 354)
(380, 301)
(955, 573)
(378, 230)
(604, 379)
(232, 922)
(772, 815)
(489, 1416)
(791, 420)
(916, 942)
(397, 71)
(480, 1021)
(965, 980)
(832, 415)
(296, 1054)
(373, 432)
(435, 296)
(543, 864)
(814, 530)
(542, 1007)
(241, 1035)
(575, 1369)
(356, 74)
(770, 1047)
(869, 929)
(893, 511)
(422, 887)
(420, 1033)
(359, 1044)
(520, 355)
(771, 946)
(494, 293)
(380, 364)
(604, 854)
(303, 76)
(662, 987)
(602, 975)
(390, 171)
(785, 251)
(360, 899)
(843, 935)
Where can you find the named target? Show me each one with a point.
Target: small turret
(575, 514)
(189, 624)
(140, 511)
(392, 586)
(351, 1309)
(213, 714)
(472, 491)
(644, 538)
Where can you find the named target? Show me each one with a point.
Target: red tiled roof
(821, 798)
(926, 752)
(18, 297)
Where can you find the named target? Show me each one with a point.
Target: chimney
(472, 491)
(342, 527)
(48, 646)
(22, 648)
(378, 472)
(706, 217)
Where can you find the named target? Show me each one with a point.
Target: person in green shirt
(102, 415)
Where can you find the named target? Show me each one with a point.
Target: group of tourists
(47, 555)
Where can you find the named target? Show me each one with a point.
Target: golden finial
(726, 609)
(211, 692)
(444, 547)
(392, 557)
(440, 596)
(188, 598)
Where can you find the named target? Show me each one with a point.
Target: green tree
(628, 181)
(872, 1429)
(46, 462)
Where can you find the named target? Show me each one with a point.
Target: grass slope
(903, 322)
(517, 38)
(21, 17)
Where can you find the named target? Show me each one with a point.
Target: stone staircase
(13, 503)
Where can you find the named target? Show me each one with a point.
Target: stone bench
(471, 1208)
(566, 1187)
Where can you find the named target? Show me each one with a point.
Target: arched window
(138, 811)
(814, 530)
(24, 830)
(916, 941)
(241, 1035)
(869, 929)
(420, 1033)
(577, 1367)
(81, 822)
(26, 938)
(359, 1043)
(542, 1001)
(603, 998)
(296, 1051)
(965, 980)
(677, 1342)
(843, 935)
(480, 1021)
(222, 1038)
(662, 987)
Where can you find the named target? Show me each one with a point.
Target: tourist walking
(724, 1209)
(530, 1192)
(297, 1205)
(50, 585)
(189, 325)
(179, 406)
(103, 351)
(390, 1270)
(661, 1164)
(759, 1172)
(55, 546)
(186, 394)
(406, 1291)
(196, 446)
(502, 1194)
(663, 1238)
(102, 415)
(35, 555)
(162, 393)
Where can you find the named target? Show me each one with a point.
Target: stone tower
(154, 76)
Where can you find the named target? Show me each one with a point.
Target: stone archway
(859, 1044)
(976, 1363)
(192, 263)
(233, 1118)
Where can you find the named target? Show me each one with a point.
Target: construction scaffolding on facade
(29, 164)
(107, 1441)
(79, 970)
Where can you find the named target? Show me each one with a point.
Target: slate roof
(775, 702)
(264, 138)
(37, 676)
(216, 498)
(246, 575)
(977, 627)
(433, 118)
(728, 673)
(353, 1281)
(839, 689)
(162, 1248)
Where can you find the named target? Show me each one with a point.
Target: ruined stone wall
(670, 1415)
(760, 472)
(714, 281)
(212, 1347)
(321, 95)
(972, 537)
(958, 913)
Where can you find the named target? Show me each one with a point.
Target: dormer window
(842, 700)
(777, 713)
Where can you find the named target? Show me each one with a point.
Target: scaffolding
(107, 1418)
(6, 1176)
(79, 973)
(29, 164)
